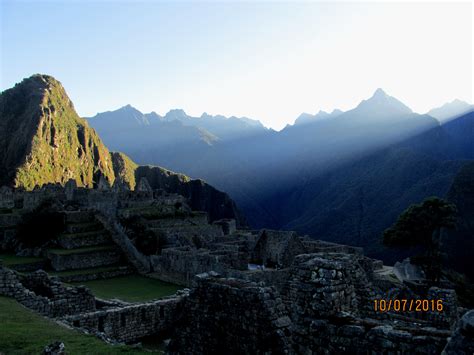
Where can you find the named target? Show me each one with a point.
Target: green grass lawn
(24, 332)
(131, 288)
(12, 259)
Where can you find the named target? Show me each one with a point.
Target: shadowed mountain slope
(459, 243)
(358, 201)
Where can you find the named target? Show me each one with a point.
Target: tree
(420, 226)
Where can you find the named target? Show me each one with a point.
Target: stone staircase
(86, 250)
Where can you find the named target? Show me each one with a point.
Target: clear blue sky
(269, 61)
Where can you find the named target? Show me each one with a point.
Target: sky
(265, 60)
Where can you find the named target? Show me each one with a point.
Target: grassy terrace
(24, 332)
(12, 259)
(131, 288)
(80, 250)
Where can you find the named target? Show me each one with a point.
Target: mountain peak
(176, 114)
(380, 104)
(379, 93)
(40, 120)
(128, 107)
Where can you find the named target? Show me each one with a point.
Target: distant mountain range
(339, 176)
(177, 124)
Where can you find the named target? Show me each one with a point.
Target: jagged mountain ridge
(207, 128)
(450, 110)
(305, 118)
(127, 126)
(43, 140)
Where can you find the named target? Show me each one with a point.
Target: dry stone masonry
(251, 292)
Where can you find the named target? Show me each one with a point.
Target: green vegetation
(46, 141)
(130, 288)
(124, 169)
(463, 285)
(12, 259)
(24, 332)
(420, 226)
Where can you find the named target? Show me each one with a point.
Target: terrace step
(81, 258)
(79, 217)
(178, 221)
(88, 274)
(83, 227)
(23, 263)
(85, 239)
(149, 212)
(9, 219)
(209, 231)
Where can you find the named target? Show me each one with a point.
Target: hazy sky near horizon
(265, 60)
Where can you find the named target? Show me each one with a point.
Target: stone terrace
(261, 291)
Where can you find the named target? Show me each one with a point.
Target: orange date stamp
(407, 305)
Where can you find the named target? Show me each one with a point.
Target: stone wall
(180, 265)
(339, 336)
(106, 274)
(132, 322)
(324, 305)
(320, 246)
(277, 278)
(231, 316)
(61, 262)
(277, 248)
(6, 198)
(323, 285)
(8, 224)
(45, 295)
(330, 298)
(72, 241)
(462, 340)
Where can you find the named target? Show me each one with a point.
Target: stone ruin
(247, 291)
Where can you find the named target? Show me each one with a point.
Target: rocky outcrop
(462, 340)
(124, 169)
(43, 140)
(201, 196)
